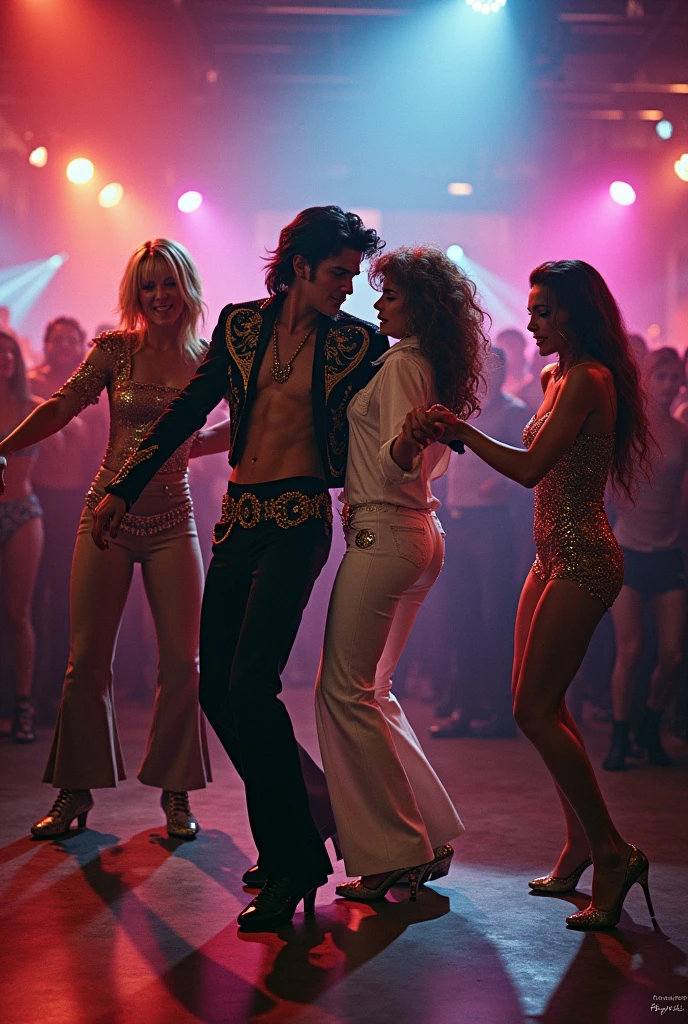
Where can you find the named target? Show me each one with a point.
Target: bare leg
(20, 558)
(670, 616)
(561, 629)
(576, 847)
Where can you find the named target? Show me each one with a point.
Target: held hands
(108, 515)
(451, 427)
(419, 430)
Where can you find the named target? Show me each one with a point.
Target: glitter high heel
(69, 804)
(181, 823)
(556, 884)
(594, 918)
(365, 894)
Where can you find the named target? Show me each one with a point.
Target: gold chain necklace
(281, 371)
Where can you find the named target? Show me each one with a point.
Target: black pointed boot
(649, 738)
(615, 761)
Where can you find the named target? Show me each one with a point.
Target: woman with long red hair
(591, 424)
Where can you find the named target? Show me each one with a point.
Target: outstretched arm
(51, 416)
(578, 396)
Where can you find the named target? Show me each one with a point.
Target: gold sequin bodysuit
(573, 538)
(134, 408)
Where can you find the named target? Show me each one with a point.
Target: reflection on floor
(120, 925)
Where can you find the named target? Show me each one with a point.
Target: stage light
(459, 188)
(486, 6)
(455, 253)
(38, 157)
(20, 286)
(664, 129)
(622, 193)
(189, 202)
(80, 171)
(681, 167)
(110, 195)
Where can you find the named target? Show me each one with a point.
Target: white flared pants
(389, 805)
(86, 752)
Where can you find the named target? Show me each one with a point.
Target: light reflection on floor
(121, 925)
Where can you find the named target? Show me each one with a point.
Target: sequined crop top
(573, 538)
(134, 407)
(572, 493)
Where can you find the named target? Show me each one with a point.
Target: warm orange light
(38, 157)
(110, 195)
(80, 171)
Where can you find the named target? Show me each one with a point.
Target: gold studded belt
(146, 526)
(347, 511)
(289, 509)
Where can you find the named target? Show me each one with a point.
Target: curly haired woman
(393, 814)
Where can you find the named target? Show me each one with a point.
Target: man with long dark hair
(289, 366)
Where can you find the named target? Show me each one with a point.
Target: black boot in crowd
(648, 737)
(615, 761)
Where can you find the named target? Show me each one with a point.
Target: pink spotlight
(622, 193)
(189, 202)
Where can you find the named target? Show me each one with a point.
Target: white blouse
(376, 415)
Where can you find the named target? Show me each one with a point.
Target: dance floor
(121, 925)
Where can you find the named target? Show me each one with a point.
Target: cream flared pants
(389, 805)
(86, 752)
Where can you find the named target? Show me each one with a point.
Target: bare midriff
(280, 440)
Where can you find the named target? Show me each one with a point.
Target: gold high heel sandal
(594, 918)
(560, 883)
(438, 867)
(440, 863)
(358, 891)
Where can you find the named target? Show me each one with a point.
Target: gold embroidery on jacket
(339, 434)
(345, 347)
(241, 334)
(133, 461)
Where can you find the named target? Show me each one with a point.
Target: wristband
(457, 446)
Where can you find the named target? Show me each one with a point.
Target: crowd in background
(459, 655)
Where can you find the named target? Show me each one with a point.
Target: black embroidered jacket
(345, 349)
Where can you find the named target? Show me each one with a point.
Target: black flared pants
(257, 587)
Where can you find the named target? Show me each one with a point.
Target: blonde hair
(174, 258)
